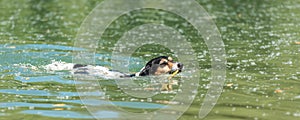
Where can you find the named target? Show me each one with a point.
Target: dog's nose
(180, 65)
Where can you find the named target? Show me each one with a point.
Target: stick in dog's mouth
(173, 74)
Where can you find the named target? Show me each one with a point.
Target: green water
(259, 36)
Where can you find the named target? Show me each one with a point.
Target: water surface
(261, 40)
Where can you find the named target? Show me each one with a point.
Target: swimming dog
(156, 66)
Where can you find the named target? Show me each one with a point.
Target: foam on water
(58, 66)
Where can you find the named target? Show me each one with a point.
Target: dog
(157, 66)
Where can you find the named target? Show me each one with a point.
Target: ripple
(46, 93)
(35, 105)
(71, 114)
(47, 46)
(44, 79)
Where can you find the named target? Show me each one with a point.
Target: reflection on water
(261, 39)
(95, 102)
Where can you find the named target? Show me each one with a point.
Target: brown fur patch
(163, 69)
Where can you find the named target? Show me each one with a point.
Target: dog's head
(160, 65)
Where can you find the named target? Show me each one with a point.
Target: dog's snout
(180, 65)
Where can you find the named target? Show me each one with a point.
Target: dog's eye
(164, 63)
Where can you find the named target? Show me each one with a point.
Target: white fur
(96, 71)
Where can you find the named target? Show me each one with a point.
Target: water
(261, 46)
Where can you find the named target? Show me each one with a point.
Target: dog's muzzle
(176, 66)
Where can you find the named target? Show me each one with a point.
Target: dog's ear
(145, 71)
